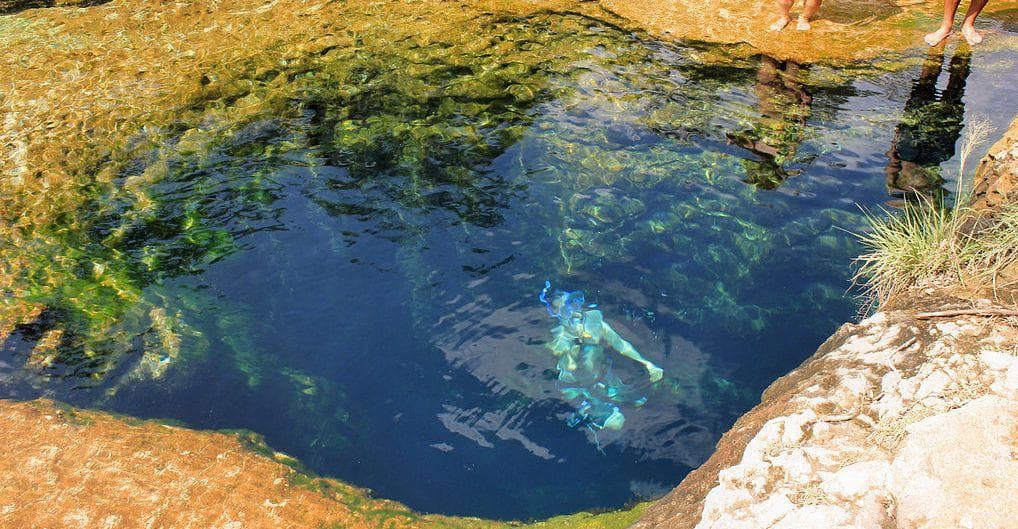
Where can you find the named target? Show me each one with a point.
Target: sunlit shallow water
(354, 271)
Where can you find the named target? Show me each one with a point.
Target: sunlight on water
(353, 268)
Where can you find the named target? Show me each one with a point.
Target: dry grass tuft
(811, 494)
(916, 248)
(889, 434)
(931, 244)
(977, 133)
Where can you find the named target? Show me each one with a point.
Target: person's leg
(573, 393)
(784, 6)
(968, 29)
(950, 8)
(615, 421)
(809, 11)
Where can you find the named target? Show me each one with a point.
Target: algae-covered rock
(9, 6)
(416, 124)
(854, 29)
(212, 478)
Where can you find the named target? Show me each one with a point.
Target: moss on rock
(94, 469)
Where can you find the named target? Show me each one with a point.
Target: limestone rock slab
(959, 469)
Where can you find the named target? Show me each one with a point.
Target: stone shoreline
(843, 30)
(72, 468)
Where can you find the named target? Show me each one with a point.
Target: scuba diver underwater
(579, 343)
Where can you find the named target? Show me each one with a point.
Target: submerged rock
(64, 467)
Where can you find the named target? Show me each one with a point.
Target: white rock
(889, 383)
(873, 347)
(769, 435)
(823, 458)
(1007, 386)
(877, 319)
(935, 351)
(771, 510)
(954, 328)
(730, 477)
(855, 481)
(796, 466)
(889, 406)
(997, 360)
(820, 431)
(795, 426)
(959, 466)
(933, 386)
(752, 474)
(856, 385)
(871, 511)
(907, 389)
(719, 503)
(882, 352)
(815, 517)
(814, 395)
(844, 400)
(726, 522)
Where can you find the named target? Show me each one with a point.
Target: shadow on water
(931, 125)
(352, 270)
(784, 106)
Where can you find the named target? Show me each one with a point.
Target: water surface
(352, 270)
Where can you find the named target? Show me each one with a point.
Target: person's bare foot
(802, 24)
(971, 35)
(779, 25)
(937, 36)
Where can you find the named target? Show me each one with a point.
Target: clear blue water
(354, 272)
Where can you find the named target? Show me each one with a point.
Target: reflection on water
(931, 125)
(349, 266)
(784, 106)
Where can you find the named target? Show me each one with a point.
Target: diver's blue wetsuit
(579, 343)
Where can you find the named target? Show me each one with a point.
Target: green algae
(609, 520)
(429, 115)
(605, 213)
(415, 127)
(361, 502)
